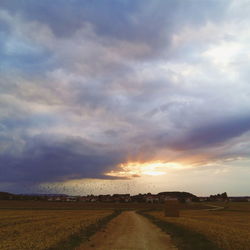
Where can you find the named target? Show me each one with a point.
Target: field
(52, 225)
(34, 205)
(43, 229)
(44, 225)
(39, 205)
(227, 228)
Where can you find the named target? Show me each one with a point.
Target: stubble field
(227, 228)
(43, 229)
(48, 225)
(26, 225)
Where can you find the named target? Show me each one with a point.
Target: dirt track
(129, 231)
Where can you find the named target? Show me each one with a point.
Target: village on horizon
(184, 197)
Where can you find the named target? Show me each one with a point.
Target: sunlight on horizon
(137, 169)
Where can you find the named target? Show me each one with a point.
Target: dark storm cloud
(48, 160)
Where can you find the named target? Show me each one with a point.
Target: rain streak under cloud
(125, 96)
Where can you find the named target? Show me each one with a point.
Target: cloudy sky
(125, 96)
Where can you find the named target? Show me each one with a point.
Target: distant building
(71, 198)
(152, 198)
(121, 197)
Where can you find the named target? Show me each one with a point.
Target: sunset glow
(137, 169)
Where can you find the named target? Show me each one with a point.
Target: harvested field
(43, 229)
(232, 206)
(228, 229)
(48, 225)
(17, 204)
(13, 204)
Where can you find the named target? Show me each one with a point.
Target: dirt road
(129, 231)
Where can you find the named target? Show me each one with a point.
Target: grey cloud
(65, 17)
(213, 134)
(48, 160)
(152, 22)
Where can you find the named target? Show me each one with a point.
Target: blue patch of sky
(36, 120)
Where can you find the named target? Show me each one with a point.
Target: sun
(136, 169)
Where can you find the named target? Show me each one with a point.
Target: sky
(125, 96)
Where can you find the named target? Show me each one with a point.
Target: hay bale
(172, 208)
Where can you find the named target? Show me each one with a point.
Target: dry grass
(228, 229)
(42, 229)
